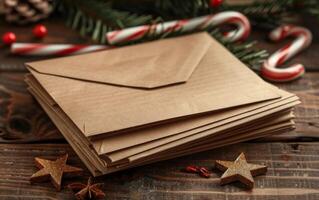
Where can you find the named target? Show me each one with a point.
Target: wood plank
(307, 113)
(21, 118)
(293, 174)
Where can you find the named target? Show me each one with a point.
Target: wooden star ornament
(239, 170)
(54, 171)
(88, 191)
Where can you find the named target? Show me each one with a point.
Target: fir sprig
(308, 6)
(96, 17)
(265, 13)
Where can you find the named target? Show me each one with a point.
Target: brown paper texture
(186, 127)
(186, 140)
(85, 93)
(144, 103)
(138, 149)
(121, 154)
(86, 154)
(256, 115)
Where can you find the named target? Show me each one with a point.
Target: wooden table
(26, 132)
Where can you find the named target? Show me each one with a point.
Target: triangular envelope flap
(148, 65)
(220, 81)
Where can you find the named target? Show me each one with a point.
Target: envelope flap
(147, 65)
(219, 82)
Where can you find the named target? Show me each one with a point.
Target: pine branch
(167, 9)
(308, 6)
(178, 9)
(96, 17)
(261, 13)
(243, 51)
(264, 14)
(175, 9)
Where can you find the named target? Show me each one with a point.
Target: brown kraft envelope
(130, 87)
(145, 135)
(121, 140)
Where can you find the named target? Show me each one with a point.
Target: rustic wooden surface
(292, 174)
(293, 167)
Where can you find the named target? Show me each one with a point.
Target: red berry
(40, 31)
(215, 3)
(8, 38)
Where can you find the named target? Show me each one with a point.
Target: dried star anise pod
(87, 191)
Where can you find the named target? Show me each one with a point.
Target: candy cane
(302, 41)
(186, 25)
(36, 49)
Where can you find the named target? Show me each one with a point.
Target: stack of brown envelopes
(139, 104)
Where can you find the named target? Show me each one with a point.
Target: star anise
(88, 191)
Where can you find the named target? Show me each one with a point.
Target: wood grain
(21, 118)
(307, 113)
(292, 174)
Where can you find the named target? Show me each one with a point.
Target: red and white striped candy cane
(303, 39)
(186, 25)
(36, 49)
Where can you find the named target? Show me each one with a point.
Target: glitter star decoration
(54, 171)
(239, 170)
